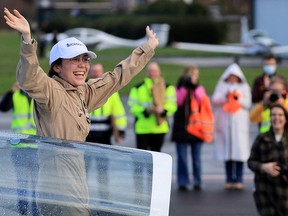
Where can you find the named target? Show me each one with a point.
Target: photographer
(276, 94)
(268, 160)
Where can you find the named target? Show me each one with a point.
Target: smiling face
(278, 119)
(75, 70)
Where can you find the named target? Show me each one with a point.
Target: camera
(284, 171)
(273, 97)
(187, 82)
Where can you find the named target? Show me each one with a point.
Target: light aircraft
(253, 42)
(101, 40)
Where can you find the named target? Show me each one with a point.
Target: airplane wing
(279, 50)
(211, 48)
(122, 181)
(253, 42)
(110, 41)
(102, 40)
(244, 49)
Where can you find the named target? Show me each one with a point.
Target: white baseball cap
(69, 48)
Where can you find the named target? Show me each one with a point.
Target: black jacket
(180, 121)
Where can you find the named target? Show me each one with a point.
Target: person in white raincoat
(232, 100)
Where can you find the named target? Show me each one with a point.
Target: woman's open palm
(152, 38)
(17, 21)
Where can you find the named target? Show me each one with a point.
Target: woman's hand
(271, 169)
(152, 38)
(19, 23)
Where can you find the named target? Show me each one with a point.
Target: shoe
(197, 188)
(238, 186)
(228, 186)
(182, 188)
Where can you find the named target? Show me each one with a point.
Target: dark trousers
(234, 171)
(103, 137)
(26, 166)
(152, 142)
(102, 161)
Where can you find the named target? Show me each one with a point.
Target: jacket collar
(65, 84)
(271, 136)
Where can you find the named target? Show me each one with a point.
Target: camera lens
(274, 97)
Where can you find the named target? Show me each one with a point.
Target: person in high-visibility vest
(22, 122)
(109, 119)
(22, 114)
(275, 94)
(106, 121)
(152, 102)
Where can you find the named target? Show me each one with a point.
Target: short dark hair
(51, 72)
(269, 56)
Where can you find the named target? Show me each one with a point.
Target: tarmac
(213, 199)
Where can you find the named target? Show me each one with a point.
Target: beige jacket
(60, 108)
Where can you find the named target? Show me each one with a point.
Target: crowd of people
(65, 99)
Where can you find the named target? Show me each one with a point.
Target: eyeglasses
(77, 60)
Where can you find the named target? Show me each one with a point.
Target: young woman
(269, 161)
(186, 89)
(232, 100)
(63, 102)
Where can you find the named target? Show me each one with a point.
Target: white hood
(235, 70)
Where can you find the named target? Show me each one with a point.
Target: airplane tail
(162, 32)
(244, 29)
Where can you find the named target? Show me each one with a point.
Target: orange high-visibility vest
(201, 119)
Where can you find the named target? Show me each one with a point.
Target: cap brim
(92, 55)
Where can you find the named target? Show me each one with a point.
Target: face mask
(269, 69)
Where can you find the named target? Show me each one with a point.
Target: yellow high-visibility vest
(22, 119)
(140, 98)
(101, 117)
